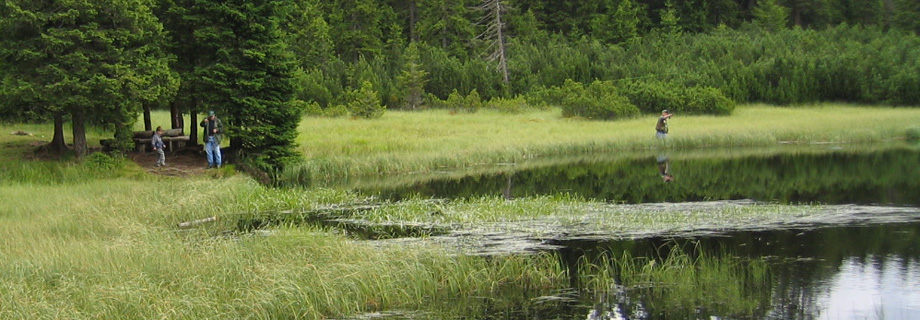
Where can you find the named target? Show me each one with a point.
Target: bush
(653, 96)
(913, 134)
(101, 162)
(365, 102)
(513, 105)
(456, 102)
(601, 100)
(308, 108)
(336, 111)
(706, 100)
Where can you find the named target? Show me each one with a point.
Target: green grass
(109, 249)
(337, 149)
(93, 241)
(679, 282)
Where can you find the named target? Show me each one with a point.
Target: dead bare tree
(493, 13)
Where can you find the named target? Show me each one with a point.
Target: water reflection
(864, 272)
(846, 176)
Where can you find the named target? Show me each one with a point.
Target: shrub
(913, 134)
(365, 102)
(601, 100)
(513, 105)
(101, 162)
(653, 96)
(308, 108)
(706, 100)
(336, 111)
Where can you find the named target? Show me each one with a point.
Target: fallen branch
(197, 222)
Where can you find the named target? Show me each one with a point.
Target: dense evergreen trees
(95, 62)
(261, 62)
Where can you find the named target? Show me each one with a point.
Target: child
(158, 146)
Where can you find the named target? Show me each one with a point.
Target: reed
(110, 249)
(681, 282)
(339, 149)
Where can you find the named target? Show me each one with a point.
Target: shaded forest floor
(182, 163)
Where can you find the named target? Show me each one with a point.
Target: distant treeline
(782, 52)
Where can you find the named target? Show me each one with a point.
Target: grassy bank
(110, 249)
(404, 142)
(88, 241)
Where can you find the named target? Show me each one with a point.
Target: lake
(866, 265)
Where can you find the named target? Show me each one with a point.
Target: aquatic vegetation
(681, 283)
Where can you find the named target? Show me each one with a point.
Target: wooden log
(197, 222)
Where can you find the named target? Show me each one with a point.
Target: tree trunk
(193, 129)
(502, 60)
(413, 19)
(57, 144)
(147, 125)
(79, 134)
(175, 116)
(193, 126)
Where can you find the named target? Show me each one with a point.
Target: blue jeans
(660, 135)
(212, 148)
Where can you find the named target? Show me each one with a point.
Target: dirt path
(183, 163)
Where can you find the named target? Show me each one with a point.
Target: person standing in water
(661, 128)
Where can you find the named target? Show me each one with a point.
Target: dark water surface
(852, 271)
(828, 174)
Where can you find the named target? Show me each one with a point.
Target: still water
(854, 271)
(846, 174)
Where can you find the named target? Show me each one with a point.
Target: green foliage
(95, 60)
(101, 162)
(654, 96)
(245, 73)
(770, 15)
(913, 134)
(619, 22)
(510, 105)
(600, 100)
(412, 80)
(365, 102)
(709, 100)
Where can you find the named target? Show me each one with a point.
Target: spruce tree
(95, 61)
(245, 75)
(412, 80)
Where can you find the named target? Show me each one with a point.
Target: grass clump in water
(679, 284)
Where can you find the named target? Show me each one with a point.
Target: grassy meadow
(99, 240)
(413, 142)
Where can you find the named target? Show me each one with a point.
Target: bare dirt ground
(182, 163)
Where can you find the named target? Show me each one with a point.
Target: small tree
(365, 102)
(413, 79)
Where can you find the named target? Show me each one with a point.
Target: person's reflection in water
(664, 168)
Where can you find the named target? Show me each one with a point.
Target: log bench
(173, 138)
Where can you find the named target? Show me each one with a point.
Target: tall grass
(680, 282)
(412, 142)
(109, 249)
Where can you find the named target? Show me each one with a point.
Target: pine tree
(93, 60)
(245, 75)
(412, 80)
(771, 16)
(446, 24)
(618, 23)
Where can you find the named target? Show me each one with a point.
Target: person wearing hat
(662, 127)
(214, 130)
